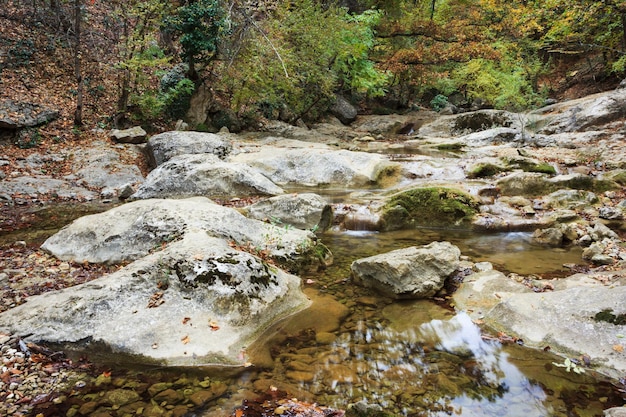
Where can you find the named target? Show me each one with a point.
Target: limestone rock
(303, 211)
(414, 272)
(164, 146)
(17, 115)
(316, 166)
(204, 175)
(131, 231)
(588, 113)
(134, 135)
(550, 237)
(343, 110)
(197, 301)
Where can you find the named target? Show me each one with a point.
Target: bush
(439, 102)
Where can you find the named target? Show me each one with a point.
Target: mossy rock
(589, 183)
(484, 170)
(530, 165)
(433, 206)
(618, 176)
(526, 184)
(455, 146)
(542, 167)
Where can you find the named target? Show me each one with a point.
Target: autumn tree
(296, 56)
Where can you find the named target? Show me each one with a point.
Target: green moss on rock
(433, 206)
(484, 170)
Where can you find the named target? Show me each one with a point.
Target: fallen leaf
(213, 325)
(156, 299)
(186, 320)
(185, 339)
(618, 348)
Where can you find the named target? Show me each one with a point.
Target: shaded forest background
(107, 64)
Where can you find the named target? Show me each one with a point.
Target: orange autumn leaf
(239, 412)
(186, 320)
(185, 339)
(618, 348)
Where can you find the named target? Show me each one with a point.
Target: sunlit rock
(204, 175)
(198, 301)
(414, 272)
(164, 146)
(303, 211)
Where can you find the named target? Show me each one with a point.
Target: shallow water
(417, 357)
(413, 358)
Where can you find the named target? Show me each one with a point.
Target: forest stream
(412, 358)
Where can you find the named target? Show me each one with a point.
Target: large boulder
(303, 211)
(587, 113)
(315, 166)
(164, 146)
(343, 110)
(204, 175)
(133, 230)
(579, 317)
(101, 166)
(197, 302)
(414, 272)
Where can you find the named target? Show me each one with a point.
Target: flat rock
(18, 115)
(131, 231)
(204, 175)
(198, 301)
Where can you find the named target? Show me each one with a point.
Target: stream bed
(411, 358)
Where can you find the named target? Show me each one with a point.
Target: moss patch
(619, 177)
(528, 165)
(456, 146)
(542, 167)
(433, 206)
(586, 182)
(484, 170)
(609, 317)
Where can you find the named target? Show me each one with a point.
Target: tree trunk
(124, 84)
(623, 31)
(78, 113)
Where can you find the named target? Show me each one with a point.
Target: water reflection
(509, 252)
(436, 368)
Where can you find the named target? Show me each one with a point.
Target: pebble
(28, 379)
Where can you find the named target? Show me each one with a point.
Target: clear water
(413, 358)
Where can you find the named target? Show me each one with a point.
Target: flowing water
(412, 358)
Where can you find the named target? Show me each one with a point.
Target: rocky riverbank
(558, 172)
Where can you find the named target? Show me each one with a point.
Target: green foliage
(200, 25)
(21, 53)
(293, 64)
(570, 366)
(505, 85)
(28, 138)
(439, 102)
(172, 102)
